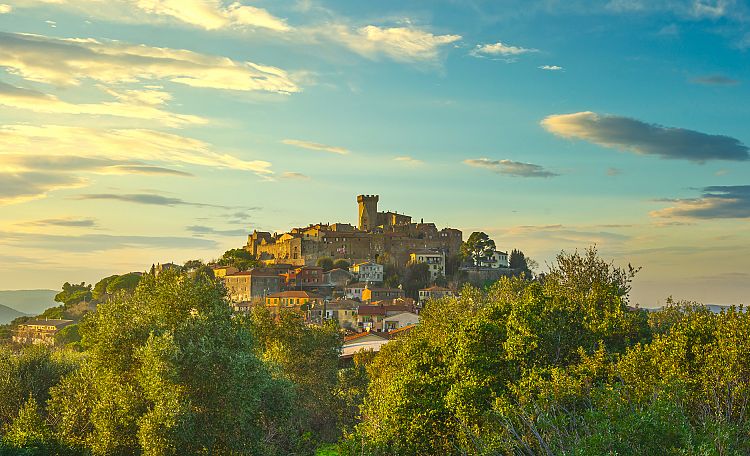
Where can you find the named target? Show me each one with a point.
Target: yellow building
(39, 332)
(292, 299)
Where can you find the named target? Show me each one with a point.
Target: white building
(434, 259)
(354, 291)
(400, 320)
(367, 272)
(434, 292)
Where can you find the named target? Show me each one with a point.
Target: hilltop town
(373, 277)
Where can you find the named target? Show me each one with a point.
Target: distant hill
(7, 314)
(32, 302)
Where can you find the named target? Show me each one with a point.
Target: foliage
(479, 248)
(69, 336)
(240, 259)
(416, 277)
(125, 282)
(431, 390)
(168, 371)
(325, 263)
(192, 265)
(341, 264)
(73, 294)
(306, 356)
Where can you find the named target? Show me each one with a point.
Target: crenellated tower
(368, 211)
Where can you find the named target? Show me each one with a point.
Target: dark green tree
(325, 263)
(341, 264)
(478, 249)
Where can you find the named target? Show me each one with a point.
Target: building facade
(367, 272)
(377, 234)
(39, 332)
(434, 259)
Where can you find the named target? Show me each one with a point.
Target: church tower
(368, 211)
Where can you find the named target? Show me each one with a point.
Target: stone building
(253, 285)
(39, 332)
(434, 259)
(378, 235)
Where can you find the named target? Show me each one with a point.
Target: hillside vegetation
(559, 365)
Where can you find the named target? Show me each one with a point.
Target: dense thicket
(560, 365)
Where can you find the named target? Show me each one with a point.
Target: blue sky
(134, 132)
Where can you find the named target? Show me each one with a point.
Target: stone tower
(368, 211)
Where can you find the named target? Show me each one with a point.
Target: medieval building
(377, 236)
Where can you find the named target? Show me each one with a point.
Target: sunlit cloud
(294, 175)
(120, 144)
(316, 146)
(716, 202)
(136, 104)
(551, 68)
(510, 168)
(408, 160)
(205, 14)
(644, 138)
(499, 49)
(67, 62)
(404, 44)
(5, 9)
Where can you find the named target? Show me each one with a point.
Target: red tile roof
(294, 294)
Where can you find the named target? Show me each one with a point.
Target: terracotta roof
(55, 323)
(436, 288)
(263, 272)
(241, 273)
(371, 310)
(294, 294)
(398, 332)
(383, 290)
(365, 334)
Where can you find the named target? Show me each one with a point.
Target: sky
(141, 131)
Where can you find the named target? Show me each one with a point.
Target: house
(354, 290)
(368, 272)
(400, 320)
(39, 332)
(434, 292)
(344, 311)
(378, 294)
(304, 277)
(370, 318)
(498, 260)
(370, 340)
(434, 259)
(338, 277)
(222, 271)
(252, 285)
(290, 299)
(363, 342)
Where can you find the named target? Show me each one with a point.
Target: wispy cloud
(614, 171)
(715, 80)
(205, 14)
(294, 175)
(551, 68)
(644, 138)
(408, 160)
(127, 145)
(144, 198)
(510, 168)
(716, 202)
(404, 44)
(87, 243)
(200, 229)
(5, 9)
(499, 49)
(67, 222)
(22, 187)
(130, 105)
(316, 146)
(67, 62)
